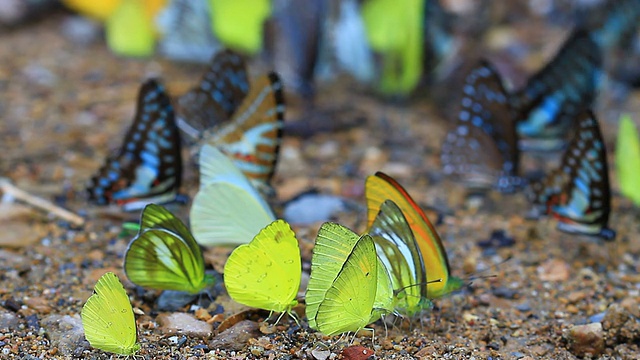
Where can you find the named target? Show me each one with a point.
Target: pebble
(184, 324)
(65, 333)
(320, 354)
(39, 304)
(357, 353)
(554, 270)
(9, 321)
(621, 326)
(586, 339)
(236, 336)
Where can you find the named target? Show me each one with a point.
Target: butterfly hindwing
(553, 97)
(148, 166)
(107, 318)
(216, 98)
(482, 148)
(578, 192)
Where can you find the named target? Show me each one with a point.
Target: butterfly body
(148, 167)
(107, 318)
(482, 148)
(578, 192)
(555, 95)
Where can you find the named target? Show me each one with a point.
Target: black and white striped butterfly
(552, 98)
(148, 166)
(577, 193)
(482, 148)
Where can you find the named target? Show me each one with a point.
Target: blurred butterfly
(381, 187)
(613, 22)
(244, 121)
(164, 255)
(148, 166)
(399, 252)
(349, 286)
(578, 193)
(227, 210)
(482, 149)
(107, 318)
(628, 159)
(552, 98)
(266, 272)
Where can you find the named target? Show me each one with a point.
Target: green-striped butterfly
(164, 255)
(107, 318)
(399, 252)
(381, 187)
(266, 272)
(227, 210)
(349, 287)
(628, 159)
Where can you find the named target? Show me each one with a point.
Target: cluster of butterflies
(552, 111)
(396, 267)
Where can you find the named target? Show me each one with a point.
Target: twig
(10, 189)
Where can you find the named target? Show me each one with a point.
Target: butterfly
(552, 98)
(482, 149)
(399, 253)
(266, 272)
(349, 287)
(164, 255)
(148, 166)
(381, 187)
(628, 159)
(577, 193)
(244, 121)
(107, 318)
(613, 23)
(228, 209)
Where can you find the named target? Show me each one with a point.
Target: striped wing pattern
(148, 166)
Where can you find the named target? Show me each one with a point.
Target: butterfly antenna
(294, 316)
(477, 275)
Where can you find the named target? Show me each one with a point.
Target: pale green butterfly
(628, 159)
(107, 318)
(227, 210)
(266, 272)
(349, 287)
(164, 255)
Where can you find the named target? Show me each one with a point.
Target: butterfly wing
(348, 302)
(482, 149)
(398, 250)
(164, 254)
(381, 187)
(216, 98)
(148, 167)
(628, 159)
(578, 193)
(265, 273)
(333, 245)
(107, 318)
(227, 209)
(553, 97)
(252, 137)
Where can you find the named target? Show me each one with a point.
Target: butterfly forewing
(148, 166)
(482, 148)
(216, 98)
(553, 97)
(578, 192)
(107, 318)
(252, 137)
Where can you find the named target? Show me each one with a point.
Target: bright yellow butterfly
(107, 318)
(266, 272)
(628, 159)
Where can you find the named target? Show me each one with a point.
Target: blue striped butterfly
(148, 166)
(577, 193)
(552, 98)
(614, 22)
(482, 148)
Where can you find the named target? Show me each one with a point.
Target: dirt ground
(64, 106)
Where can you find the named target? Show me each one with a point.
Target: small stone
(357, 353)
(554, 270)
(65, 333)
(469, 317)
(235, 337)
(320, 354)
(621, 326)
(9, 321)
(184, 324)
(425, 352)
(586, 339)
(40, 305)
(202, 314)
